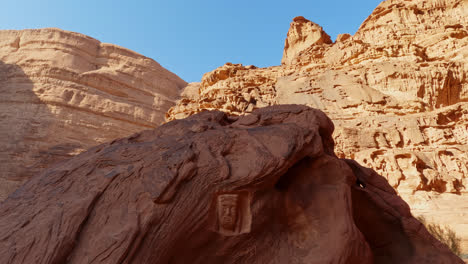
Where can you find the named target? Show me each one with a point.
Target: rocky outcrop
(63, 92)
(212, 188)
(397, 92)
(301, 35)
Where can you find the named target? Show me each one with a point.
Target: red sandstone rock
(261, 188)
(397, 91)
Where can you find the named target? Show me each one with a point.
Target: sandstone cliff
(397, 92)
(63, 92)
(263, 188)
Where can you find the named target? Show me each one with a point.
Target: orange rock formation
(397, 92)
(63, 92)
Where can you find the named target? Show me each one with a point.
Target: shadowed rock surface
(64, 92)
(261, 188)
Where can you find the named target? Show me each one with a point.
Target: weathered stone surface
(301, 35)
(262, 188)
(397, 92)
(63, 92)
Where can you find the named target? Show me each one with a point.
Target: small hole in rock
(360, 184)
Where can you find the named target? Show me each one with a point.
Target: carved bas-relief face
(227, 211)
(233, 213)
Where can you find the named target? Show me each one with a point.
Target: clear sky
(189, 37)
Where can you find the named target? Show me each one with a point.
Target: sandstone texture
(301, 35)
(212, 188)
(397, 92)
(63, 92)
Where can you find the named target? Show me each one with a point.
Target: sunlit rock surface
(63, 92)
(397, 92)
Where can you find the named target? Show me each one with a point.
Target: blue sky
(189, 37)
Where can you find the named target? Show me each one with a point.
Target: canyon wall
(64, 92)
(397, 92)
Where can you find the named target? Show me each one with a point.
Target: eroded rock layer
(63, 92)
(262, 188)
(397, 92)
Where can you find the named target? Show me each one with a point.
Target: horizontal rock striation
(63, 92)
(212, 188)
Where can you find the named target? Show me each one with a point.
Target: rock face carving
(227, 212)
(63, 92)
(146, 199)
(397, 91)
(233, 213)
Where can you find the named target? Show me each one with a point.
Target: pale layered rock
(397, 92)
(63, 92)
(253, 88)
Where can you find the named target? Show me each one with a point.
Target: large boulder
(212, 188)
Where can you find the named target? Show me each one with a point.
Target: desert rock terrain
(273, 181)
(396, 90)
(64, 92)
(213, 188)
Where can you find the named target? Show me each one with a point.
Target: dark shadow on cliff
(386, 222)
(25, 135)
(17, 124)
(383, 230)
